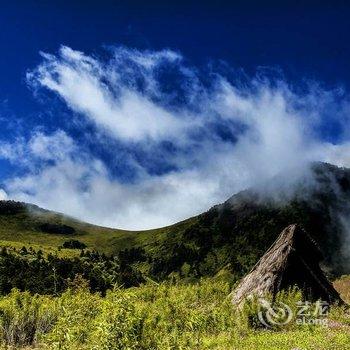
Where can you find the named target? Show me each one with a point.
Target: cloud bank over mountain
(149, 140)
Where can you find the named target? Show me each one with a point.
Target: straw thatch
(293, 260)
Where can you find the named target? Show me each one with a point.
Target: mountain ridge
(230, 236)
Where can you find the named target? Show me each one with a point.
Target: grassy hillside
(30, 226)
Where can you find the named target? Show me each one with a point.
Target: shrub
(24, 317)
(73, 244)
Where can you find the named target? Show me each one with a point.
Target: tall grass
(164, 317)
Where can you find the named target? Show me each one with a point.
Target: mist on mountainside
(230, 236)
(317, 197)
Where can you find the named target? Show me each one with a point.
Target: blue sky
(137, 115)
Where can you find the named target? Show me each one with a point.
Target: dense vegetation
(31, 271)
(154, 317)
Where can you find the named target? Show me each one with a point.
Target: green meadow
(158, 316)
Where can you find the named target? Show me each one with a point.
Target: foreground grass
(154, 316)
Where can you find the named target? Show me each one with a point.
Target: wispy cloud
(3, 194)
(106, 92)
(207, 135)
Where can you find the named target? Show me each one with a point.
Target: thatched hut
(293, 260)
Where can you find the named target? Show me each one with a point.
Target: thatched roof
(293, 260)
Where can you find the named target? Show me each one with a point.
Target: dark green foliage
(11, 208)
(51, 275)
(73, 244)
(56, 228)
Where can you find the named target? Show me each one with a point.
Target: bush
(73, 244)
(24, 317)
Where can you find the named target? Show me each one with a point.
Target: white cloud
(275, 129)
(336, 154)
(12, 151)
(47, 147)
(3, 195)
(39, 147)
(85, 85)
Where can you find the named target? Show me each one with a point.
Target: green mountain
(28, 225)
(228, 239)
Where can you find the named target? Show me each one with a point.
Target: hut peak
(292, 260)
